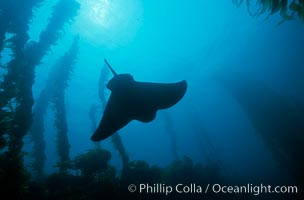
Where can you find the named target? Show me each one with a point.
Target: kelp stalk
(277, 119)
(63, 70)
(16, 97)
(172, 134)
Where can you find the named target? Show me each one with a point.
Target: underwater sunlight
(98, 11)
(109, 22)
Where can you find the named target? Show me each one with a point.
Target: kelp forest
(89, 175)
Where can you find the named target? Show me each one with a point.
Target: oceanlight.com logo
(160, 188)
(255, 189)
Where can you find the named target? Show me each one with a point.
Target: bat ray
(132, 100)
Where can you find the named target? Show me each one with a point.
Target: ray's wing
(114, 118)
(151, 97)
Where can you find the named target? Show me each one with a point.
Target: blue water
(169, 41)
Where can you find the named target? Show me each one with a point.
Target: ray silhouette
(133, 100)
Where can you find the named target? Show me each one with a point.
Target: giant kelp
(186, 171)
(169, 125)
(201, 138)
(92, 177)
(277, 119)
(117, 142)
(92, 162)
(298, 7)
(139, 171)
(15, 92)
(63, 70)
(96, 179)
(53, 91)
(92, 116)
(286, 9)
(12, 23)
(16, 98)
(37, 130)
(102, 82)
(14, 19)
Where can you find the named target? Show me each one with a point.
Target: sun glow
(99, 13)
(109, 21)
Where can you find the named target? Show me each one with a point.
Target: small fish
(133, 100)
